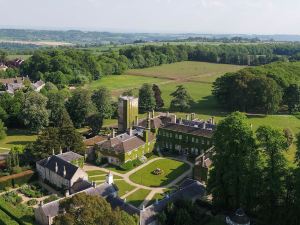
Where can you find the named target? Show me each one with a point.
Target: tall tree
(292, 97)
(146, 98)
(78, 106)
(233, 162)
(90, 209)
(34, 112)
(103, 101)
(95, 122)
(158, 99)
(273, 143)
(182, 100)
(3, 130)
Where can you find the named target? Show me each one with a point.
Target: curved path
(153, 190)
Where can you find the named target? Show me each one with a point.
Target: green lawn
(137, 197)
(123, 187)
(24, 57)
(171, 170)
(16, 137)
(184, 70)
(95, 172)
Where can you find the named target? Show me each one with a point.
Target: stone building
(63, 171)
(128, 111)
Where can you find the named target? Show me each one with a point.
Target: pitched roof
(187, 190)
(54, 161)
(156, 122)
(94, 140)
(69, 156)
(189, 130)
(52, 208)
(122, 145)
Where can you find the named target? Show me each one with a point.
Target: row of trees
(260, 89)
(75, 66)
(251, 172)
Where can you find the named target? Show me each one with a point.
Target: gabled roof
(156, 122)
(62, 166)
(51, 209)
(123, 145)
(189, 130)
(69, 156)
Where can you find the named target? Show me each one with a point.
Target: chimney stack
(148, 121)
(212, 120)
(60, 150)
(192, 116)
(53, 153)
(204, 125)
(130, 131)
(187, 117)
(56, 168)
(65, 172)
(67, 193)
(136, 120)
(153, 113)
(113, 133)
(110, 178)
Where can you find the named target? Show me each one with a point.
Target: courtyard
(141, 186)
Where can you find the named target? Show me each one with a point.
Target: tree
(158, 99)
(102, 99)
(3, 130)
(297, 157)
(232, 180)
(182, 100)
(129, 92)
(90, 209)
(78, 106)
(95, 122)
(273, 143)
(34, 112)
(146, 98)
(292, 97)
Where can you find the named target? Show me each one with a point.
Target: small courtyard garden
(159, 173)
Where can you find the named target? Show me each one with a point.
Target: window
(192, 139)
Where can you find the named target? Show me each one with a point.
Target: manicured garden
(123, 187)
(137, 197)
(171, 169)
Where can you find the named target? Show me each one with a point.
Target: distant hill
(95, 37)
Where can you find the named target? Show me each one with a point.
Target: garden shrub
(12, 197)
(32, 202)
(32, 191)
(51, 198)
(130, 165)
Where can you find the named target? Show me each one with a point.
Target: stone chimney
(67, 193)
(212, 120)
(41, 203)
(110, 178)
(180, 120)
(153, 113)
(56, 168)
(168, 114)
(130, 131)
(53, 153)
(94, 184)
(113, 134)
(136, 120)
(65, 172)
(148, 121)
(175, 118)
(60, 150)
(204, 125)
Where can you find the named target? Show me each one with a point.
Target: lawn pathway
(153, 190)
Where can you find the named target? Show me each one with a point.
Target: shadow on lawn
(173, 175)
(19, 142)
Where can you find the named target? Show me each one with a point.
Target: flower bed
(12, 197)
(157, 171)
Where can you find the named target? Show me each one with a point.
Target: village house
(13, 84)
(63, 171)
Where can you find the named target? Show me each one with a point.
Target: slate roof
(69, 156)
(80, 186)
(189, 130)
(94, 140)
(51, 162)
(156, 122)
(123, 145)
(118, 202)
(189, 189)
(52, 208)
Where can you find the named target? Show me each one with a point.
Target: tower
(127, 112)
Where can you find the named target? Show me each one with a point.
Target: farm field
(170, 168)
(197, 77)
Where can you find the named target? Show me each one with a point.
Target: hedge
(6, 219)
(16, 179)
(15, 213)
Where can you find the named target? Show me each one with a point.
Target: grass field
(16, 137)
(137, 197)
(171, 170)
(24, 57)
(123, 187)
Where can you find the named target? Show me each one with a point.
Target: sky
(164, 16)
